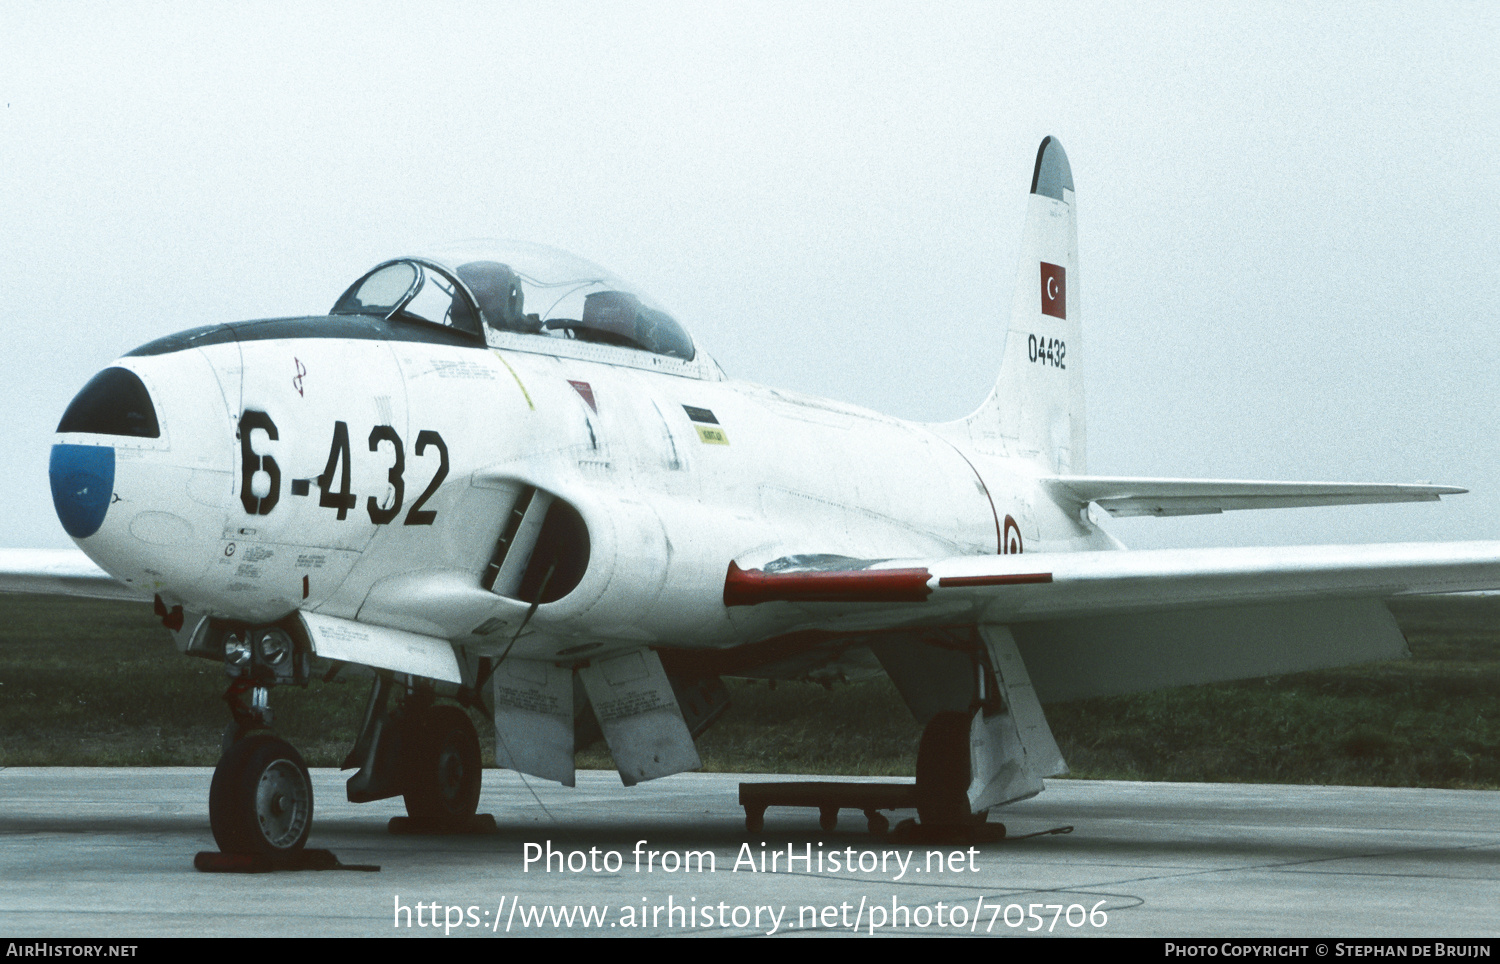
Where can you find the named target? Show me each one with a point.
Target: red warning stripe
(1015, 579)
(748, 587)
(586, 392)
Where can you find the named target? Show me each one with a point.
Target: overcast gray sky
(1287, 212)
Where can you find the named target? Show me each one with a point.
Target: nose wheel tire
(444, 771)
(261, 799)
(943, 771)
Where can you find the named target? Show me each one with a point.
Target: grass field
(94, 683)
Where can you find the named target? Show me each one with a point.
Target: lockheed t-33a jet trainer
(497, 476)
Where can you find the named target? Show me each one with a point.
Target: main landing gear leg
(426, 753)
(444, 771)
(442, 774)
(943, 771)
(943, 776)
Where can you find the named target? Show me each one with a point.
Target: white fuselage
(675, 475)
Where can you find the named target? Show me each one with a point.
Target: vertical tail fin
(1037, 407)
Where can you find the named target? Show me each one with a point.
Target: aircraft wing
(1106, 623)
(1125, 496)
(1039, 586)
(61, 572)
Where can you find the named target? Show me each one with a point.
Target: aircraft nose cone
(115, 402)
(83, 481)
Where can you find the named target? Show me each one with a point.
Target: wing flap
(1125, 496)
(1071, 659)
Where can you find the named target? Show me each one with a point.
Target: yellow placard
(711, 435)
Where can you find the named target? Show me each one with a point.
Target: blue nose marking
(83, 482)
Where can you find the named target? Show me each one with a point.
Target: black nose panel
(114, 402)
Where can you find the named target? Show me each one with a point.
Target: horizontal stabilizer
(1123, 496)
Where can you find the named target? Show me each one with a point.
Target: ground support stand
(828, 799)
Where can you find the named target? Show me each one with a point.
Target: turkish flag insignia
(1054, 290)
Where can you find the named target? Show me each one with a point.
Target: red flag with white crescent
(1054, 290)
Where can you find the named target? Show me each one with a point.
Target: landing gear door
(534, 718)
(1010, 748)
(638, 712)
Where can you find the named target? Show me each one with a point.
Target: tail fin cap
(1052, 175)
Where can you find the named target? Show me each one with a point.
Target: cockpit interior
(520, 288)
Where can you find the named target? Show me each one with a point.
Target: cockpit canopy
(507, 286)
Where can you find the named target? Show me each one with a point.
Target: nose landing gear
(261, 800)
(260, 804)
